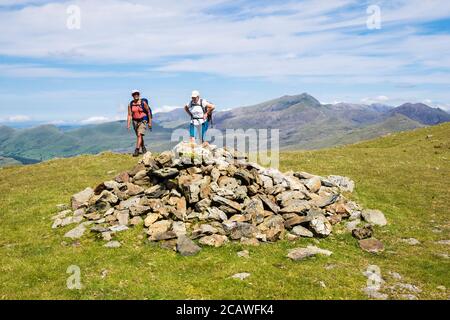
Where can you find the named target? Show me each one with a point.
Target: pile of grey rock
(208, 196)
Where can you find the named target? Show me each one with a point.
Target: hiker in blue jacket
(140, 114)
(200, 112)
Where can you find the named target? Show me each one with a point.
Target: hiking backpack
(143, 107)
(205, 109)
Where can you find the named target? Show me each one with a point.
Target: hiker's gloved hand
(150, 127)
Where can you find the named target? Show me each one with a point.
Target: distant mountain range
(304, 123)
(422, 113)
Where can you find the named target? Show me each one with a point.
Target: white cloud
(41, 71)
(60, 122)
(333, 102)
(17, 118)
(263, 64)
(88, 121)
(443, 106)
(96, 120)
(20, 2)
(176, 28)
(378, 99)
(165, 109)
(303, 39)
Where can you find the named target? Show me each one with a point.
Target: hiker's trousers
(199, 130)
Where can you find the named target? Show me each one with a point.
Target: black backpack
(205, 109)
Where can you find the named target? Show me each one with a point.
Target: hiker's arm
(129, 117)
(209, 109)
(186, 108)
(147, 109)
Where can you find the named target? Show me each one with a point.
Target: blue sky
(235, 52)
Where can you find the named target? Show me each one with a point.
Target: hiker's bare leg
(203, 135)
(139, 141)
(142, 142)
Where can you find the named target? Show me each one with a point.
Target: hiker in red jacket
(140, 114)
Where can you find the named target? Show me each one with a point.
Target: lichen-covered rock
(186, 247)
(303, 253)
(296, 206)
(151, 219)
(228, 205)
(123, 177)
(76, 232)
(123, 217)
(286, 197)
(214, 240)
(272, 227)
(164, 158)
(321, 226)
(254, 242)
(127, 204)
(371, 245)
(302, 232)
(148, 160)
(135, 221)
(375, 217)
(165, 173)
(363, 233)
(214, 195)
(294, 220)
(313, 184)
(82, 198)
(254, 210)
(241, 229)
(344, 183)
(133, 190)
(179, 228)
(155, 191)
(159, 227)
(203, 205)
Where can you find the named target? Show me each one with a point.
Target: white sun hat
(195, 94)
(135, 91)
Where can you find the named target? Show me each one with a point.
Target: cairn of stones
(197, 196)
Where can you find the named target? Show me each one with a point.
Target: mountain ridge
(303, 121)
(422, 113)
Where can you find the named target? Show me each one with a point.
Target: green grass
(406, 175)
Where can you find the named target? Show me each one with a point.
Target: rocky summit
(197, 196)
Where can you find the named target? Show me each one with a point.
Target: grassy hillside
(317, 136)
(5, 133)
(48, 141)
(406, 175)
(40, 143)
